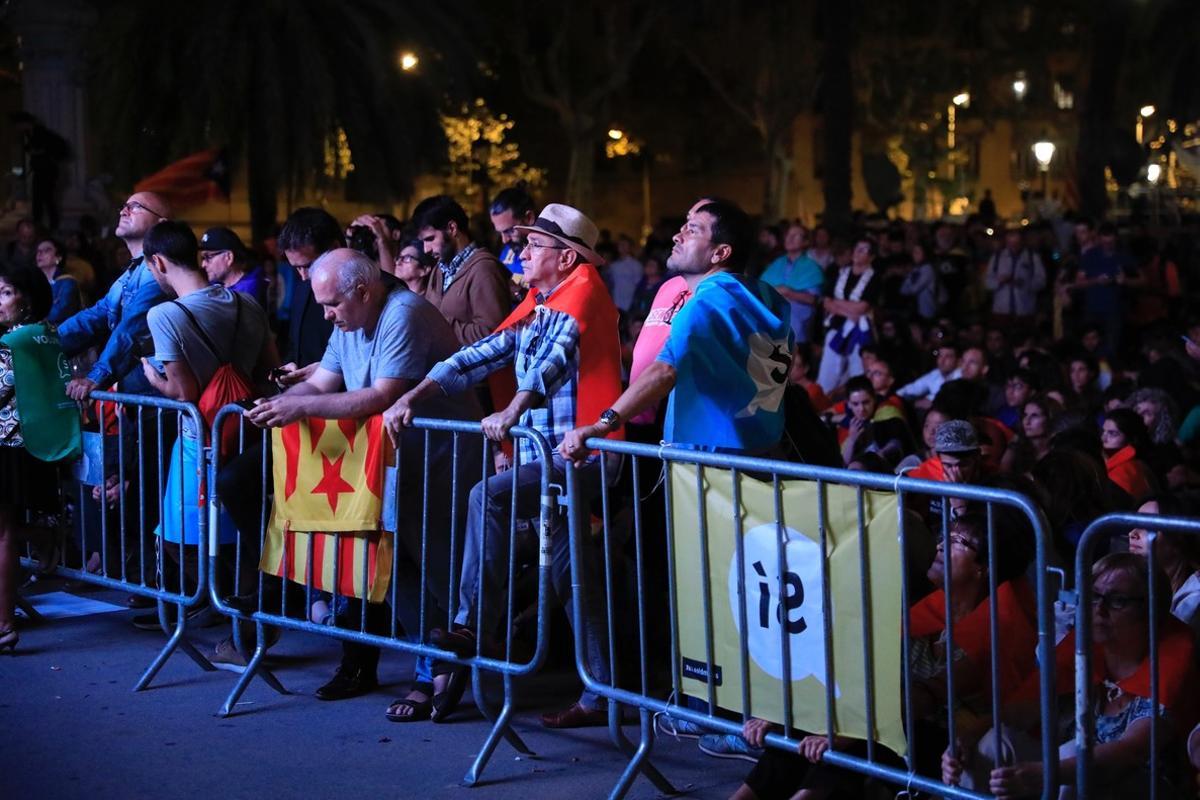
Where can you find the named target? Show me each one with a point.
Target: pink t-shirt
(670, 298)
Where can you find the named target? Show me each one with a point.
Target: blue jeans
(491, 525)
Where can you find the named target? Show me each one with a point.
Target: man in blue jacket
(118, 320)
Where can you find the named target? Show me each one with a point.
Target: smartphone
(276, 374)
(246, 403)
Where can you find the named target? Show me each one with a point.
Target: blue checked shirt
(544, 349)
(449, 271)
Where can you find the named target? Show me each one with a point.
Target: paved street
(73, 729)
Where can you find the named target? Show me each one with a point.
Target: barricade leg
(500, 728)
(640, 759)
(28, 610)
(253, 667)
(178, 640)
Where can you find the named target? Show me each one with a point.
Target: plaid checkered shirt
(544, 350)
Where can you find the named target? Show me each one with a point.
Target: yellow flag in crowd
(328, 478)
(799, 610)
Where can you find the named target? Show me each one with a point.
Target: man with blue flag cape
(725, 363)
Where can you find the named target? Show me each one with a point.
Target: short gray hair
(351, 267)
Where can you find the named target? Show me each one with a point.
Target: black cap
(217, 239)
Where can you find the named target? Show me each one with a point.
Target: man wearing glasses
(118, 320)
(226, 261)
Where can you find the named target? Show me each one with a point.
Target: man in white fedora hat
(563, 342)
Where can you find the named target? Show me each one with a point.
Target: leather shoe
(348, 682)
(575, 716)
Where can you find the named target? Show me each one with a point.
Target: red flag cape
(1017, 624)
(190, 181)
(584, 296)
(1176, 673)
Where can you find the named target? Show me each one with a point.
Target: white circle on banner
(803, 601)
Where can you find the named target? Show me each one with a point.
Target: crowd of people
(1055, 359)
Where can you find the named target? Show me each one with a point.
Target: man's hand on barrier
(80, 388)
(954, 761)
(496, 426)
(1020, 780)
(400, 415)
(275, 412)
(755, 731)
(573, 448)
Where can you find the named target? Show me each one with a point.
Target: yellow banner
(800, 608)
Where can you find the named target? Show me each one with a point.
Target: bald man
(385, 339)
(118, 320)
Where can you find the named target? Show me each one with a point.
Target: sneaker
(679, 728)
(729, 745)
(228, 657)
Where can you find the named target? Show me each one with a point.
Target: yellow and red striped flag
(328, 478)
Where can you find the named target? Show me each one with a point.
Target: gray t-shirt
(410, 337)
(216, 310)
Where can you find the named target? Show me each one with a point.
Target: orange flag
(328, 479)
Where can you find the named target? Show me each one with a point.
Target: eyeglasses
(408, 259)
(209, 256)
(961, 541)
(1115, 602)
(535, 245)
(133, 205)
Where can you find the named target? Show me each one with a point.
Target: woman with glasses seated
(1176, 554)
(1120, 698)
(39, 425)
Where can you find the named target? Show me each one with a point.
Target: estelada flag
(328, 479)
(191, 180)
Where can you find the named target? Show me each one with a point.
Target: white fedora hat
(569, 226)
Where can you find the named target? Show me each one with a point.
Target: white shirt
(928, 385)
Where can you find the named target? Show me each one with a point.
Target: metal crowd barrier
(1085, 722)
(118, 544)
(269, 601)
(651, 699)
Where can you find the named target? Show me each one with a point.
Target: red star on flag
(332, 483)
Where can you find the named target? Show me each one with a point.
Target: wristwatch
(609, 418)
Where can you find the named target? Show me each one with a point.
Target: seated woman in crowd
(780, 774)
(43, 433)
(1176, 554)
(1032, 444)
(1124, 437)
(867, 427)
(1120, 698)
(1085, 395)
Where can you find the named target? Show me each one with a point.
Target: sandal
(8, 640)
(447, 700)
(418, 710)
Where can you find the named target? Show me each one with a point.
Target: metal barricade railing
(445, 480)
(144, 450)
(653, 699)
(1154, 525)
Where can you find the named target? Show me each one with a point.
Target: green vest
(49, 419)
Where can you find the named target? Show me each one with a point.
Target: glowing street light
(616, 134)
(1020, 87)
(1147, 111)
(409, 61)
(962, 99)
(1043, 151)
(1153, 173)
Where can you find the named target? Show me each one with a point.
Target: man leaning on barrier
(724, 365)
(563, 342)
(385, 338)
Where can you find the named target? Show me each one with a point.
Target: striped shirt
(544, 349)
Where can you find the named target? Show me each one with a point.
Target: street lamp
(1144, 113)
(1043, 151)
(409, 61)
(1020, 86)
(616, 134)
(962, 99)
(1153, 173)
